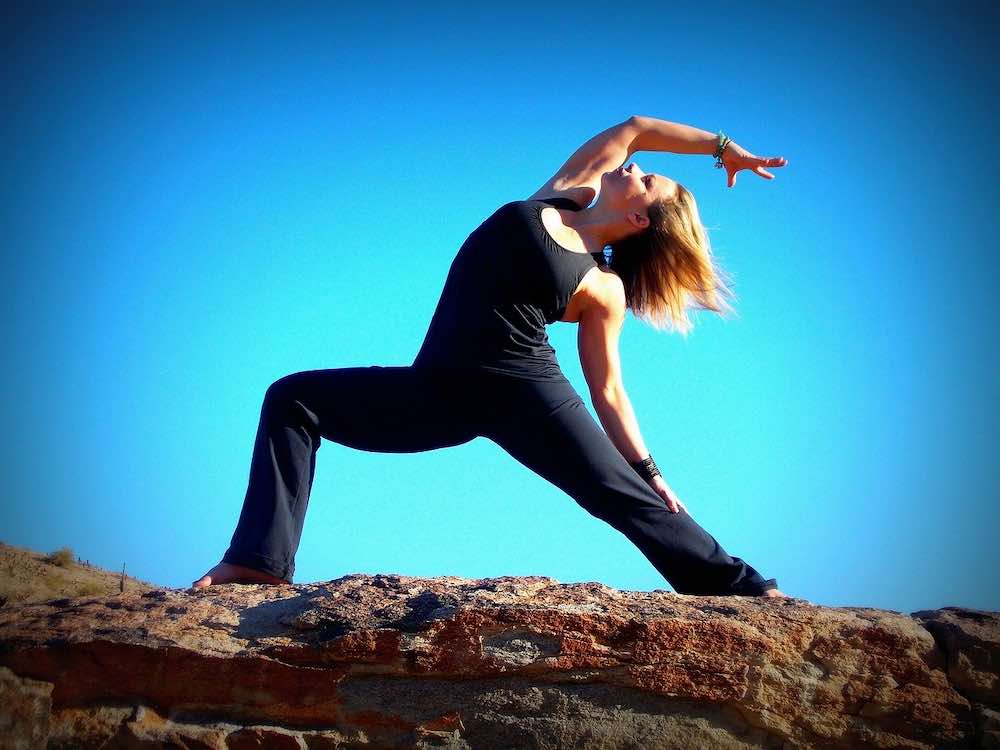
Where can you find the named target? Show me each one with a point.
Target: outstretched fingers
(771, 161)
(758, 166)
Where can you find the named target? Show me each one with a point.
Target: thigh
(548, 429)
(376, 408)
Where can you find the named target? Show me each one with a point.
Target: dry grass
(29, 576)
(63, 557)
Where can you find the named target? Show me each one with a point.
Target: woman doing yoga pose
(486, 367)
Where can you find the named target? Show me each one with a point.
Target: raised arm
(662, 135)
(579, 178)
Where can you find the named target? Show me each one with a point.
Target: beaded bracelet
(723, 142)
(646, 468)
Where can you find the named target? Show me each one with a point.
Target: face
(630, 189)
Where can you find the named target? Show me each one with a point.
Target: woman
(486, 368)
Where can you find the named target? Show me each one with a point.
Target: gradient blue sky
(199, 198)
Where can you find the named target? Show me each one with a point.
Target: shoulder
(613, 289)
(606, 296)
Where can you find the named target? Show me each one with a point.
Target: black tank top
(508, 281)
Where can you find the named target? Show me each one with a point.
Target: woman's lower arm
(616, 414)
(663, 135)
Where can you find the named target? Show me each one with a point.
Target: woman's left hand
(735, 158)
(659, 484)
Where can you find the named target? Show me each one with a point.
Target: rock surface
(391, 661)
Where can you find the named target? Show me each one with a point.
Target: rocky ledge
(392, 661)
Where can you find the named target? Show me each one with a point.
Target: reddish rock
(395, 661)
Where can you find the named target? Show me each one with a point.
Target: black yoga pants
(405, 409)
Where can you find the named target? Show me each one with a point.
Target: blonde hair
(668, 268)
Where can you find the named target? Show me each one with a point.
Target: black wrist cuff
(646, 468)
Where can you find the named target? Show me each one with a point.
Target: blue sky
(201, 198)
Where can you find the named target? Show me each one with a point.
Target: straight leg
(546, 427)
(381, 409)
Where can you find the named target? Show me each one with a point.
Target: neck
(596, 226)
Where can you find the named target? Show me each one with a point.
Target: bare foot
(229, 573)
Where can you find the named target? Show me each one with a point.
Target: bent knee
(285, 394)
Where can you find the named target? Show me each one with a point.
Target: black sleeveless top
(508, 281)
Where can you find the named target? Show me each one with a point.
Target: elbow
(635, 127)
(610, 396)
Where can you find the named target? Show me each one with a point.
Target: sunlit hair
(668, 268)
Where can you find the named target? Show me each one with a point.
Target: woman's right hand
(664, 490)
(735, 158)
